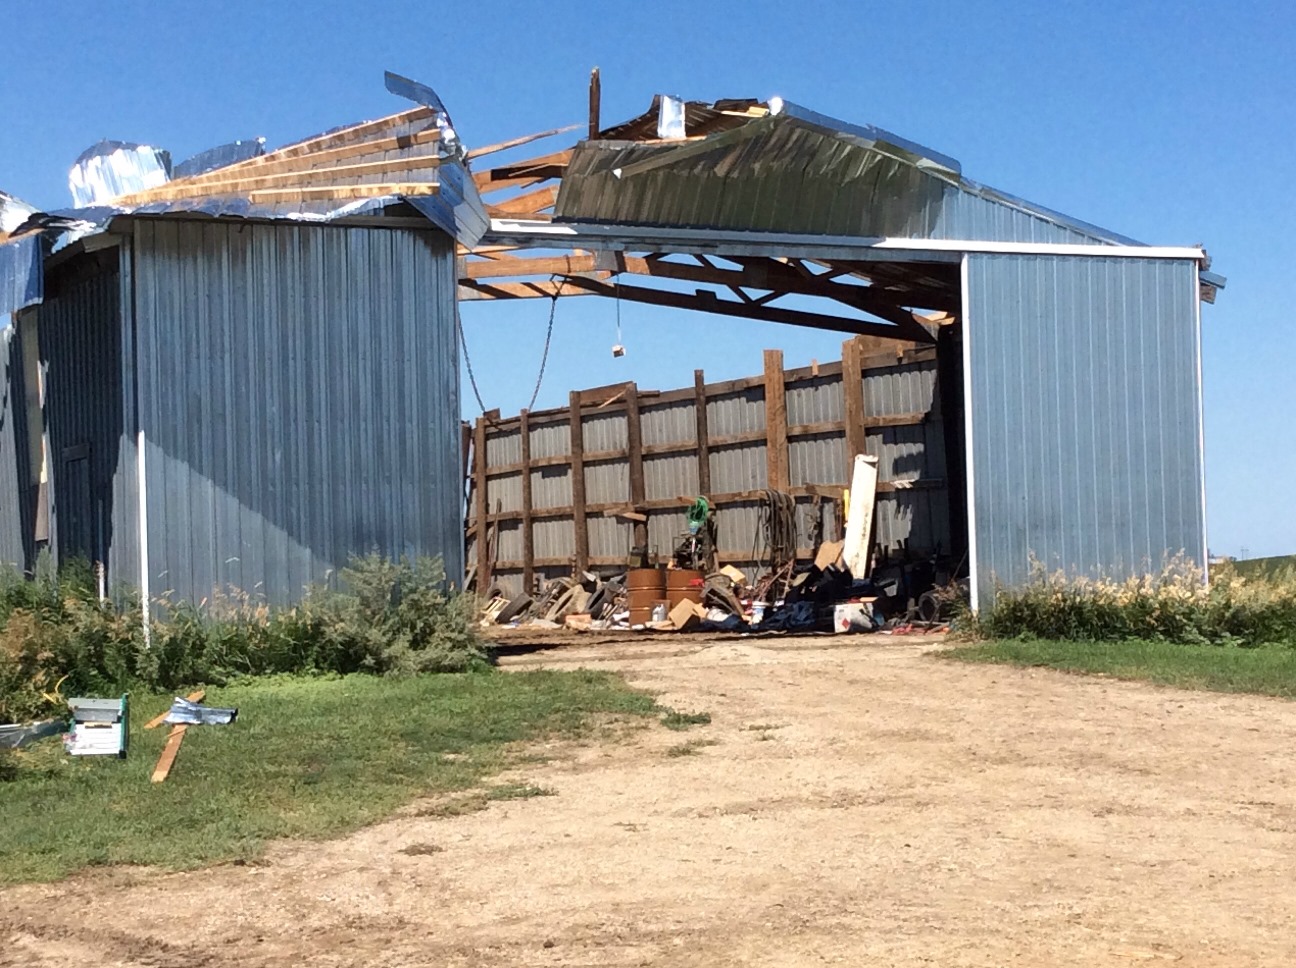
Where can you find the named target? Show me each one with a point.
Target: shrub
(57, 639)
(1174, 605)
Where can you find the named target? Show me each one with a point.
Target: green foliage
(1173, 606)
(309, 757)
(57, 639)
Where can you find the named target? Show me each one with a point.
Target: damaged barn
(1065, 371)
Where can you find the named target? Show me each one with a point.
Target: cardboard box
(687, 615)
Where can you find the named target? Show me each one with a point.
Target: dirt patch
(862, 804)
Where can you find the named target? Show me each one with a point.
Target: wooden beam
(329, 193)
(579, 522)
(551, 165)
(703, 437)
(470, 290)
(528, 550)
(169, 753)
(595, 103)
(518, 142)
(485, 186)
(634, 447)
(528, 203)
(480, 482)
(776, 428)
(292, 159)
(329, 176)
(853, 400)
(707, 302)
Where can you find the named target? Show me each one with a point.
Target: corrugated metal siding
(15, 477)
(81, 343)
(781, 177)
(299, 389)
(1085, 419)
(22, 273)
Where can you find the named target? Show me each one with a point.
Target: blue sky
(1169, 122)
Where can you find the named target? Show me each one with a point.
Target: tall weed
(57, 639)
(1173, 605)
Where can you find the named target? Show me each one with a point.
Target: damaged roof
(412, 157)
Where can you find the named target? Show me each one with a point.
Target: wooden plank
(331, 193)
(528, 203)
(852, 400)
(595, 103)
(580, 524)
(290, 159)
(528, 550)
(518, 142)
(703, 438)
(196, 696)
(304, 179)
(776, 427)
(706, 301)
(480, 482)
(634, 446)
(169, 752)
(549, 166)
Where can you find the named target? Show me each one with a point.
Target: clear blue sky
(1169, 122)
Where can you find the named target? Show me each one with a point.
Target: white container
(853, 617)
(758, 612)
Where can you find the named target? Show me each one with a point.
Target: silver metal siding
(299, 394)
(82, 352)
(15, 523)
(1085, 419)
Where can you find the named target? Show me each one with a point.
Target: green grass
(1268, 671)
(676, 720)
(307, 758)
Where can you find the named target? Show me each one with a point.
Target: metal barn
(237, 378)
(1074, 353)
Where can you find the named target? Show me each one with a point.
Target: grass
(1267, 671)
(676, 720)
(690, 748)
(307, 758)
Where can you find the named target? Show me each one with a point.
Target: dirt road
(862, 805)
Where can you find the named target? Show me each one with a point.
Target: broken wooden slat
(169, 751)
(519, 142)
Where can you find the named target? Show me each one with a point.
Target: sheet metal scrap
(195, 714)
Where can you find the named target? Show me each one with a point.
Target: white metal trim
(1201, 419)
(143, 536)
(969, 461)
(620, 236)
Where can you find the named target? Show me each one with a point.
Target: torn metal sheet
(22, 275)
(422, 94)
(219, 157)
(188, 713)
(113, 168)
(13, 213)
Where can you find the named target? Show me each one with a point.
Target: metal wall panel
(815, 401)
(91, 461)
(15, 475)
(736, 413)
(299, 389)
(671, 423)
(739, 467)
(551, 487)
(670, 476)
(550, 440)
(1085, 415)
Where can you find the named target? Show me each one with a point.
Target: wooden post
(595, 96)
(776, 427)
(579, 524)
(634, 445)
(853, 399)
(479, 483)
(703, 433)
(528, 548)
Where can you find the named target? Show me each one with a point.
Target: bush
(57, 639)
(1174, 605)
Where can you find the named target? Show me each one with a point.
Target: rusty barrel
(684, 585)
(646, 586)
